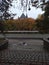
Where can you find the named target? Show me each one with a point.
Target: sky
(18, 10)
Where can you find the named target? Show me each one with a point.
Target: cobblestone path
(19, 56)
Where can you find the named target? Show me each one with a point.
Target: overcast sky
(17, 9)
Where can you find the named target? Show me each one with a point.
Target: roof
(23, 16)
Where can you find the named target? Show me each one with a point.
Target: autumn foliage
(20, 24)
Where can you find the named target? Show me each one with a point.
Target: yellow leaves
(21, 24)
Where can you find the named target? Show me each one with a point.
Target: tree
(43, 24)
(46, 18)
(5, 4)
(4, 14)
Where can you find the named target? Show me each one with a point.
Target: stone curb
(46, 43)
(3, 44)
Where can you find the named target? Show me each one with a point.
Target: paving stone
(24, 57)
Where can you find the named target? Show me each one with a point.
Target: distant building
(26, 16)
(23, 16)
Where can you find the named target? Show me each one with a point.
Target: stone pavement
(30, 53)
(34, 36)
(23, 57)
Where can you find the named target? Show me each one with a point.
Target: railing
(28, 32)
